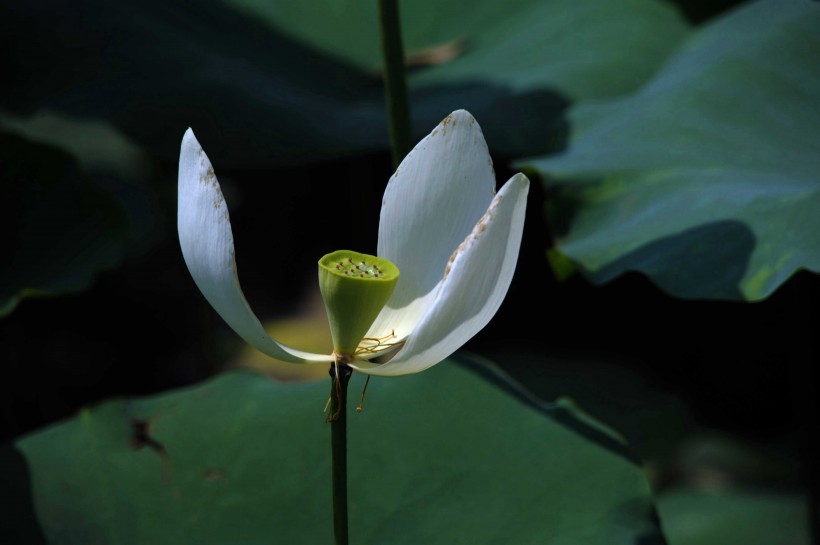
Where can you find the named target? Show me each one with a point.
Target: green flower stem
(338, 440)
(395, 81)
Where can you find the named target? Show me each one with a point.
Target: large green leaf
(583, 50)
(62, 230)
(708, 179)
(458, 454)
(652, 420)
(267, 83)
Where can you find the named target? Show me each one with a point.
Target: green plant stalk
(338, 441)
(395, 81)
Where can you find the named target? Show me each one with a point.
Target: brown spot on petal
(479, 228)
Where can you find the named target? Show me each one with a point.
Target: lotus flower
(454, 240)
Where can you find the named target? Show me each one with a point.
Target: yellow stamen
(377, 344)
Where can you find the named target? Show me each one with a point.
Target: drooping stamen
(360, 408)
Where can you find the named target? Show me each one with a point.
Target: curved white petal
(207, 246)
(431, 203)
(474, 285)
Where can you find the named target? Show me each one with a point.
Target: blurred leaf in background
(729, 491)
(751, 517)
(502, 61)
(272, 83)
(707, 180)
(61, 229)
(586, 50)
(289, 83)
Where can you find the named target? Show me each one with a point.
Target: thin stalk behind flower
(395, 81)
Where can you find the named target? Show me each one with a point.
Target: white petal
(431, 203)
(474, 285)
(207, 246)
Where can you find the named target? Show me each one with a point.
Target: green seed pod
(355, 288)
